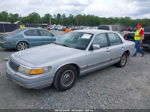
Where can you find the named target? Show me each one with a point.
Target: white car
(71, 56)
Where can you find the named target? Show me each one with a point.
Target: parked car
(90, 28)
(110, 27)
(129, 36)
(71, 56)
(61, 28)
(117, 28)
(146, 41)
(21, 39)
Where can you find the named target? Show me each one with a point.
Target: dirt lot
(127, 87)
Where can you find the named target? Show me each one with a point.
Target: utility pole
(50, 20)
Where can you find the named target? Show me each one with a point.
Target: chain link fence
(11, 27)
(7, 27)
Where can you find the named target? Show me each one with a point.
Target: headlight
(24, 70)
(36, 71)
(2, 39)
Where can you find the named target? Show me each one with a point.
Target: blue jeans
(138, 48)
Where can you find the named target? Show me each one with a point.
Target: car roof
(28, 28)
(94, 31)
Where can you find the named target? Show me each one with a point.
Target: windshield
(78, 40)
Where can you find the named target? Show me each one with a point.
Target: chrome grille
(14, 65)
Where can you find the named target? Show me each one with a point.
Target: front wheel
(123, 60)
(22, 46)
(65, 78)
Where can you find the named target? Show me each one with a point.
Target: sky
(102, 8)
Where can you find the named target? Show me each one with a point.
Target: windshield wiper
(64, 45)
(61, 44)
(67, 45)
(57, 43)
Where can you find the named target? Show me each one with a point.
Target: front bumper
(31, 82)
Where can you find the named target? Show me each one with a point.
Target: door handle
(123, 48)
(108, 51)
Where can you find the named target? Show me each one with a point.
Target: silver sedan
(71, 56)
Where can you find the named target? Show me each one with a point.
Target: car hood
(41, 55)
(7, 36)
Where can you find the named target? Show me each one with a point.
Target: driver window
(101, 40)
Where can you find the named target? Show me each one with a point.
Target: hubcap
(22, 46)
(123, 60)
(67, 78)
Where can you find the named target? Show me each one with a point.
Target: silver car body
(57, 56)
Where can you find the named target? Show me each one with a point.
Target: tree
(34, 18)
(58, 18)
(63, 18)
(13, 17)
(80, 20)
(47, 19)
(4, 16)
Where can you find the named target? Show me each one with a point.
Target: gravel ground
(111, 88)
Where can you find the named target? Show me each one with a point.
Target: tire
(22, 46)
(65, 78)
(123, 60)
(146, 48)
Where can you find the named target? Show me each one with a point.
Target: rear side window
(114, 39)
(103, 28)
(115, 28)
(32, 33)
(101, 40)
(46, 33)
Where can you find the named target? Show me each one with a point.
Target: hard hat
(139, 24)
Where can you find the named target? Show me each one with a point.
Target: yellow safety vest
(22, 26)
(137, 34)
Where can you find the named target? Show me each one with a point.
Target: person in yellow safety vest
(21, 26)
(139, 37)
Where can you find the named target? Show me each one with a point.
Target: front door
(46, 36)
(97, 58)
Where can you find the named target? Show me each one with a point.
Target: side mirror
(96, 46)
(53, 35)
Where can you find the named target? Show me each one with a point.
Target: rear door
(46, 36)
(116, 46)
(33, 37)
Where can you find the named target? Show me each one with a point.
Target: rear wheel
(123, 60)
(65, 78)
(22, 46)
